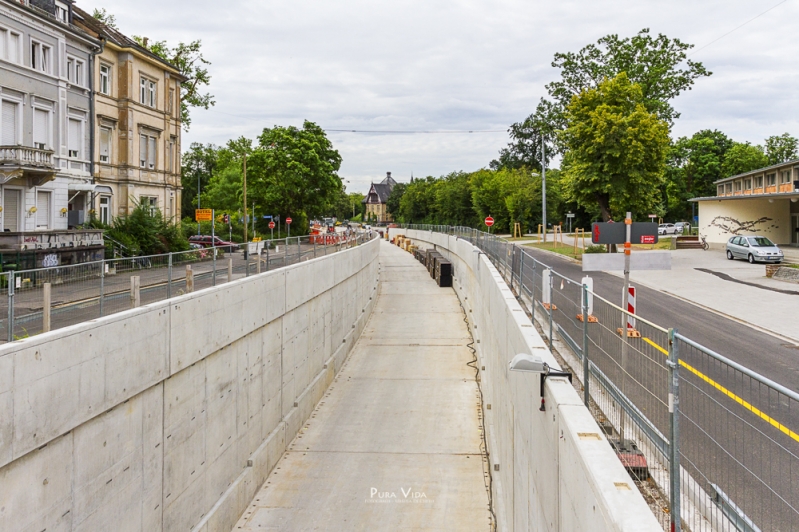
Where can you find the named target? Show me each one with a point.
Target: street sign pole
(624, 339)
(544, 186)
(213, 243)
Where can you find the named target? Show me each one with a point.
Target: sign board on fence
(641, 260)
(610, 233)
(256, 239)
(203, 215)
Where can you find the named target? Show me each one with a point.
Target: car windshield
(761, 242)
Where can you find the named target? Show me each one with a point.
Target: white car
(668, 229)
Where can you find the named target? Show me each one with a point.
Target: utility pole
(244, 191)
(253, 219)
(198, 201)
(544, 185)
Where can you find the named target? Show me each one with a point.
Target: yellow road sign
(203, 215)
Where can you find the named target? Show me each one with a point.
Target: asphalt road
(735, 433)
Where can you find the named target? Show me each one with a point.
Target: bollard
(189, 279)
(46, 307)
(135, 294)
(230, 270)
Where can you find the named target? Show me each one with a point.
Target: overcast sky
(455, 65)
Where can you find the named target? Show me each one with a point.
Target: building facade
(45, 124)
(376, 200)
(137, 128)
(763, 202)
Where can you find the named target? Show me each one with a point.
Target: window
(147, 92)
(171, 155)
(61, 12)
(70, 69)
(728, 187)
(147, 151)
(75, 138)
(79, 68)
(759, 181)
(41, 129)
(75, 71)
(43, 209)
(9, 45)
(105, 145)
(171, 103)
(786, 176)
(40, 56)
(105, 79)
(771, 179)
(105, 209)
(748, 184)
(9, 127)
(719, 191)
(737, 186)
(3, 43)
(151, 202)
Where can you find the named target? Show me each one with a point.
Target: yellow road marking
(756, 411)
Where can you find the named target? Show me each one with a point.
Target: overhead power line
(434, 132)
(737, 28)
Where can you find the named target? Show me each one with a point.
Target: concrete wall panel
(170, 416)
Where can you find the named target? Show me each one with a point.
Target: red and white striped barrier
(631, 308)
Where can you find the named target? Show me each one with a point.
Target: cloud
(452, 65)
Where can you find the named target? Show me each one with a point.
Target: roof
(381, 190)
(118, 38)
(388, 181)
(758, 171)
(769, 196)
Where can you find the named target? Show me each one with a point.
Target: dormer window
(62, 12)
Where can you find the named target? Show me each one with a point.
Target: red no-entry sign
(489, 221)
(271, 225)
(288, 221)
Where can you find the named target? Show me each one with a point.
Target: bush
(595, 248)
(147, 233)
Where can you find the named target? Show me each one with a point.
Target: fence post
(10, 323)
(551, 299)
(674, 433)
(189, 279)
(314, 248)
(46, 307)
(299, 251)
(135, 294)
(267, 257)
(102, 286)
(521, 272)
(258, 262)
(586, 364)
(512, 262)
(169, 278)
(532, 295)
(213, 250)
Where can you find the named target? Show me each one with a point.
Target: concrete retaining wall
(170, 416)
(557, 470)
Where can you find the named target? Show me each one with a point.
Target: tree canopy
(616, 149)
(781, 148)
(743, 157)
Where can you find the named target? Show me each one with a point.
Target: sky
(455, 66)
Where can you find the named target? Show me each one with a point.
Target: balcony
(22, 161)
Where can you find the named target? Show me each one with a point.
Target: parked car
(668, 229)
(754, 249)
(682, 227)
(206, 241)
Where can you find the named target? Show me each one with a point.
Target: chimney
(388, 175)
(144, 41)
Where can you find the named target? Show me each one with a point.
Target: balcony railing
(26, 156)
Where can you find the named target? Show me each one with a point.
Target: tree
(524, 150)
(198, 164)
(394, 200)
(105, 17)
(189, 60)
(781, 148)
(616, 149)
(743, 157)
(417, 204)
(453, 200)
(651, 63)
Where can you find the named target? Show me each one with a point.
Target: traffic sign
(226, 218)
(288, 221)
(489, 221)
(271, 225)
(203, 215)
(570, 215)
(611, 233)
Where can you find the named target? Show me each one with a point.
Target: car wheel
(751, 259)
(729, 255)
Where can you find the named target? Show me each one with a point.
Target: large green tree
(394, 200)
(198, 165)
(616, 149)
(743, 157)
(781, 148)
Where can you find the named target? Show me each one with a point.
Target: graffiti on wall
(736, 227)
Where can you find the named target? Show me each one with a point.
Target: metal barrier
(704, 438)
(90, 290)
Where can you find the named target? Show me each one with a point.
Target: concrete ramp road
(395, 443)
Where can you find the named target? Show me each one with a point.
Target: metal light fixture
(533, 364)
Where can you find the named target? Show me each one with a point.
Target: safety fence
(704, 438)
(37, 300)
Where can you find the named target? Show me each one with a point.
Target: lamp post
(544, 186)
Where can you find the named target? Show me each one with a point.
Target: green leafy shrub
(597, 248)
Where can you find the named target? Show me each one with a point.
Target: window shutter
(11, 201)
(40, 123)
(152, 152)
(105, 144)
(13, 49)
(9, 125)
(142, 150)
(42, 209)
(74, 136)
(3, 37)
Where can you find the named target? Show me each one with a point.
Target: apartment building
(46, 118)
(137, 127)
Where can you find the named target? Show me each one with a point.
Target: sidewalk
(395, 443)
